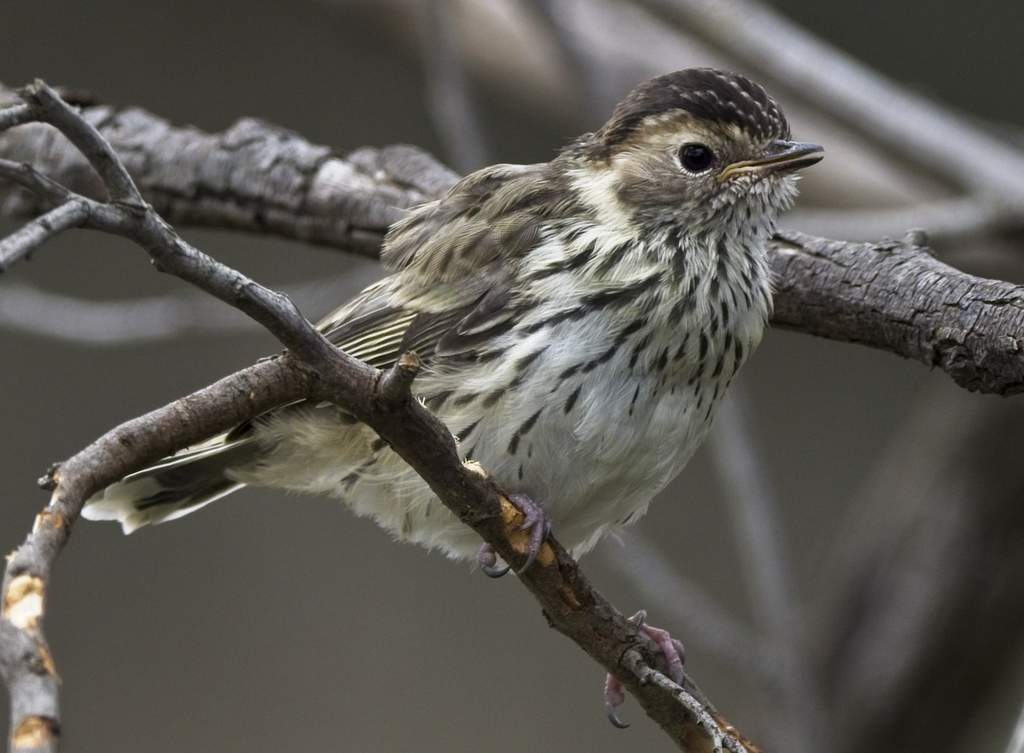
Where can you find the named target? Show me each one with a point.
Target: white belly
(602, 445)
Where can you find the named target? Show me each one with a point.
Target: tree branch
(221, 180)
(47, 107)
(35, 233)
(855, 292)
(312, 369)
(895, 296)
(26, 663)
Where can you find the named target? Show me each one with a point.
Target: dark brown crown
(704, 93)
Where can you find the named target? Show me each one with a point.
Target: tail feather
(174, 487)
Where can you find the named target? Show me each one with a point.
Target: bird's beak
(782, 157)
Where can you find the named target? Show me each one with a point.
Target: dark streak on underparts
(522, 431)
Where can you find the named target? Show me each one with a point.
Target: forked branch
(311, 369)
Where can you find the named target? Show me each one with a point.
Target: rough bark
(260, 178)
(253, 176)
(896, 296)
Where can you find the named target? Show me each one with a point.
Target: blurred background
(843, 561)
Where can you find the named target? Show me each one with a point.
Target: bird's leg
(671, 649)
(535, 522)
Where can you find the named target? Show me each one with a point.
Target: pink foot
(671, 649)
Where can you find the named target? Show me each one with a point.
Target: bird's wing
(451, 288)
(453, 263)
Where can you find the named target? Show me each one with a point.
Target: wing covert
(453, 264)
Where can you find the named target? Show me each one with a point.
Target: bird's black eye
(695, 158)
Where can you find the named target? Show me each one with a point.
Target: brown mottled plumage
(578, 319)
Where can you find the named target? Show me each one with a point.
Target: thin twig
(47, 106)
(26, 663)
(48, 191)
(35, 233)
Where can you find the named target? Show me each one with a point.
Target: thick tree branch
(223, 180)
(312, 369)
(891, 296)
(895, 296)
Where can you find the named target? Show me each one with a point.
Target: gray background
(276, 623)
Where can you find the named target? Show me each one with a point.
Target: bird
(577, 320)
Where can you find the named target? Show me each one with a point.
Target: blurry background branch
(100, 323)
(918, 626)
(1017, 738)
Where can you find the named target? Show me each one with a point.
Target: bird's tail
(175, 486)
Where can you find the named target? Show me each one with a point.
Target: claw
(614, 696)
(534, 521)
(671, 649)
(488, 562)
(614, 719)
(496, 572)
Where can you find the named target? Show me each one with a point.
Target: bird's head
(693, 147)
